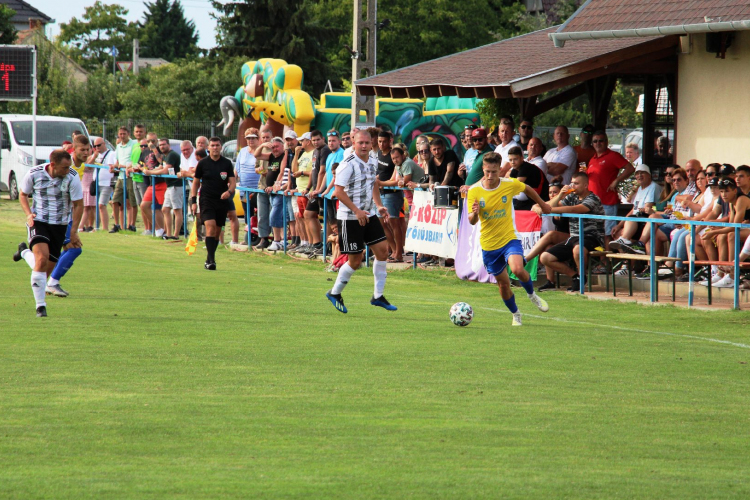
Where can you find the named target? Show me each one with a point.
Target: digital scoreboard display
(16, 73)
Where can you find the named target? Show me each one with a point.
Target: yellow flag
(192, 242)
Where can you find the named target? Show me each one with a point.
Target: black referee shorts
(214, 210)
(353, 237)
(51, 234)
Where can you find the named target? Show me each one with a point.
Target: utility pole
(136, 55)
(363, 55)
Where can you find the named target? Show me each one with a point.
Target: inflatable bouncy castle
(271, 94)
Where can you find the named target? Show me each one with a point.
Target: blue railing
(652, 262)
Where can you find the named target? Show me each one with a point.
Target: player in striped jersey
(57, 193)
(358, 193)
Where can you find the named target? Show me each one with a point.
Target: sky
(197, 11)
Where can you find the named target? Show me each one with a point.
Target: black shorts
(353, 237)
(313, 205)
(564, 251)
(51, 234)
(216, 211)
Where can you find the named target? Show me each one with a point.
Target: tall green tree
(90, 39)
(284, 29)
(7, 30)
(166, 33)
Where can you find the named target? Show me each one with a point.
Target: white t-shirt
(106, 158)
(188, 163)
(503, 150)
(567, 156)
(649, 194)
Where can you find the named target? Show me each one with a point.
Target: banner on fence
(469, 265)
(431, 231)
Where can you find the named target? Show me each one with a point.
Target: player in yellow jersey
(491, 201)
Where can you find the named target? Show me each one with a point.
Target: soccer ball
(461, 314)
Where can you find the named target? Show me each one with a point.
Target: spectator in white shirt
(505, 136)
(633, 154)
(561, 161)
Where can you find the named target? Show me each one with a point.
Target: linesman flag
(192, 242)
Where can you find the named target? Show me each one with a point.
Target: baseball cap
(478, 133)
(290, 134)
(727, 182)
(643, 168)
(250, 134)
(304, 136)
(713, 181)
(727, 169)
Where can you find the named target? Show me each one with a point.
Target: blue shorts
(394, 202)
(666, 228)
(609, 225)
(495, 261)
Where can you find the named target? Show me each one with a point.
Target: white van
(15, 155)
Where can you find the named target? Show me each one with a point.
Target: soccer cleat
(41, 312)
(210, 266)
(636, 247)
(547, 286)
(516, 319)
(56, 290)
(383, 302)
(539, 302)
(21, 247)
(337, 301)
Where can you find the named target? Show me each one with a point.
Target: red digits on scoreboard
(6, 69)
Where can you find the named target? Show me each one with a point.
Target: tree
(7, 30)
(90, 40)
(166, 33)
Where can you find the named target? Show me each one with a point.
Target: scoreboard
(16, 73)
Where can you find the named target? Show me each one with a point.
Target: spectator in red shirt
(606, 170)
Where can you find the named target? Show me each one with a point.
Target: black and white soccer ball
(461, 314)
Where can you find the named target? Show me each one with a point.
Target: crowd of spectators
(295, 178)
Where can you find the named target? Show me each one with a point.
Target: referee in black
(217, 182)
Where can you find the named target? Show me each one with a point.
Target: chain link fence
(179, 130)
(616, 136)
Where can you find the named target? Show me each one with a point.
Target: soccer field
(158, 379)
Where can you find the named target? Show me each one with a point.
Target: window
(48, 133)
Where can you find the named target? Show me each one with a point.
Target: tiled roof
(606, 15)
(501, 65)
(25, 11)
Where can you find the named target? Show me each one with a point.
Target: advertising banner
(431, 231)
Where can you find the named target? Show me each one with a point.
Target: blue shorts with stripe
(495, 261)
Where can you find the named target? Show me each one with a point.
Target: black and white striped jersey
(53, 196)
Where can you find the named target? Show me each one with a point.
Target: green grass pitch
(158, 379)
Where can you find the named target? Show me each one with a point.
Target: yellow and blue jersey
(496, 212)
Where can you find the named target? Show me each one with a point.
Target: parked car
(16, 149)
(229, 150)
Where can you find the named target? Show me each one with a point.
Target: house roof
(606, 15)
(25, 11)
(522, 66)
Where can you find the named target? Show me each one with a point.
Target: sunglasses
(587, 132)
(524, 127)
(100, 144)
(332, 134)
(477, 139)
(711, 174)
(726, 183)
(143, 146)
(596, 141)
(470, 127)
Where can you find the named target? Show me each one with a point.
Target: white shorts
(173, 198)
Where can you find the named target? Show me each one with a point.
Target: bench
(701, 263)
(660, 263)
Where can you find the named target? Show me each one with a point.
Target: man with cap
(643, 206)
(585, 151)
(244, 170)
(525, 134)
(474, 172)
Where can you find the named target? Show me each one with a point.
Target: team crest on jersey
(223, 176)
(481, 202)
(505, 199)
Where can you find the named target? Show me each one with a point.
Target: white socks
(28, 256)
(380, 274)
(52, 282)
(345, 273)
(39, 286)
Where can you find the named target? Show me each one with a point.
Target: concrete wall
(713, 106)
